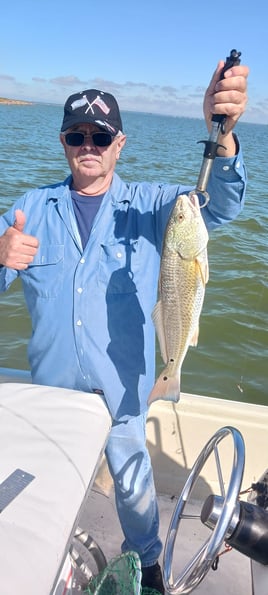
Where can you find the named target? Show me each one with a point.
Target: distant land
(7, 101)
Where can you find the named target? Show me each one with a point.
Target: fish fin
(157, 316)
(194, 339)
(202, 264)
(166, 387)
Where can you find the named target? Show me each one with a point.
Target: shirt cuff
(230, 168)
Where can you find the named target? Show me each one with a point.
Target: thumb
(215, 77)
(208, 97)
(20, 220)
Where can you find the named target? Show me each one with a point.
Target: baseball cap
(92, 107)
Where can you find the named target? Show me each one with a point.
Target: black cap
(92, 107)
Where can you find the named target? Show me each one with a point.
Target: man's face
(89, 162)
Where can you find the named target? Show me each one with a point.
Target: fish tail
(166, 387)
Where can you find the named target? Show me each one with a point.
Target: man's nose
(88, 140)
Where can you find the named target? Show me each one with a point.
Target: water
(231, 360)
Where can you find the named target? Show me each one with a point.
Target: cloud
(139, 96)
(69, 81)
(38, 79)
(7, 77)
(170, 90)
(185, 100)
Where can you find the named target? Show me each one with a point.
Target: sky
(153, 56)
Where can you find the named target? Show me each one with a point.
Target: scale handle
(232, 60)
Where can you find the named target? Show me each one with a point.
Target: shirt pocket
(119, 266)
(44, 276)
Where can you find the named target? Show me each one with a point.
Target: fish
(184, 273)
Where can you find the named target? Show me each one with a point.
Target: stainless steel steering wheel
(197, 568)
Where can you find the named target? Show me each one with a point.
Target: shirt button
(82, 260)
(79, 323)
(226, 167)
(79, 290)
(119, 254)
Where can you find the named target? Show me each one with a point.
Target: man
(88, 253)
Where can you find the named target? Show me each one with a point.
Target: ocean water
(231, 359)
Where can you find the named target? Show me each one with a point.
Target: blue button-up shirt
(91, 309)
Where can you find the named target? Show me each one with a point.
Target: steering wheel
(197, 568)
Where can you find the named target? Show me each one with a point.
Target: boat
(57, 503)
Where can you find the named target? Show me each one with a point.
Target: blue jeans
(130, 466)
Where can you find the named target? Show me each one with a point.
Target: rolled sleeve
(226, 189)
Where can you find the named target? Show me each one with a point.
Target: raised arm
(227, 96)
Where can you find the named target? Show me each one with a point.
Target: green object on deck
(121, 576)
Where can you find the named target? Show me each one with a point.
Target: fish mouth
(195, 200)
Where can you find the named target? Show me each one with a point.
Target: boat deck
(232, 576)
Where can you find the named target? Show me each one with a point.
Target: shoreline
(6, 101)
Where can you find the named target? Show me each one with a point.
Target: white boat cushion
(57, 436)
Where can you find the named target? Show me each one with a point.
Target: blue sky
(154, 56)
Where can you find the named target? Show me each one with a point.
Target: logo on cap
(97, 101)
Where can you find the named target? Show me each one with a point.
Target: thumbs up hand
(19, 221)
(17, 249)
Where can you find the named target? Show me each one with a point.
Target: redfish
(183, 276)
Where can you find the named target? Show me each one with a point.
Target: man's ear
(120, 144)
(62, 140)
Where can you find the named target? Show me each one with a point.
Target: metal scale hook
(211, 145)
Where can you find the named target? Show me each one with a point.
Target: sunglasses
(99, 139)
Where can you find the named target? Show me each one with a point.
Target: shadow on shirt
(125, 316)
(125, 326)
